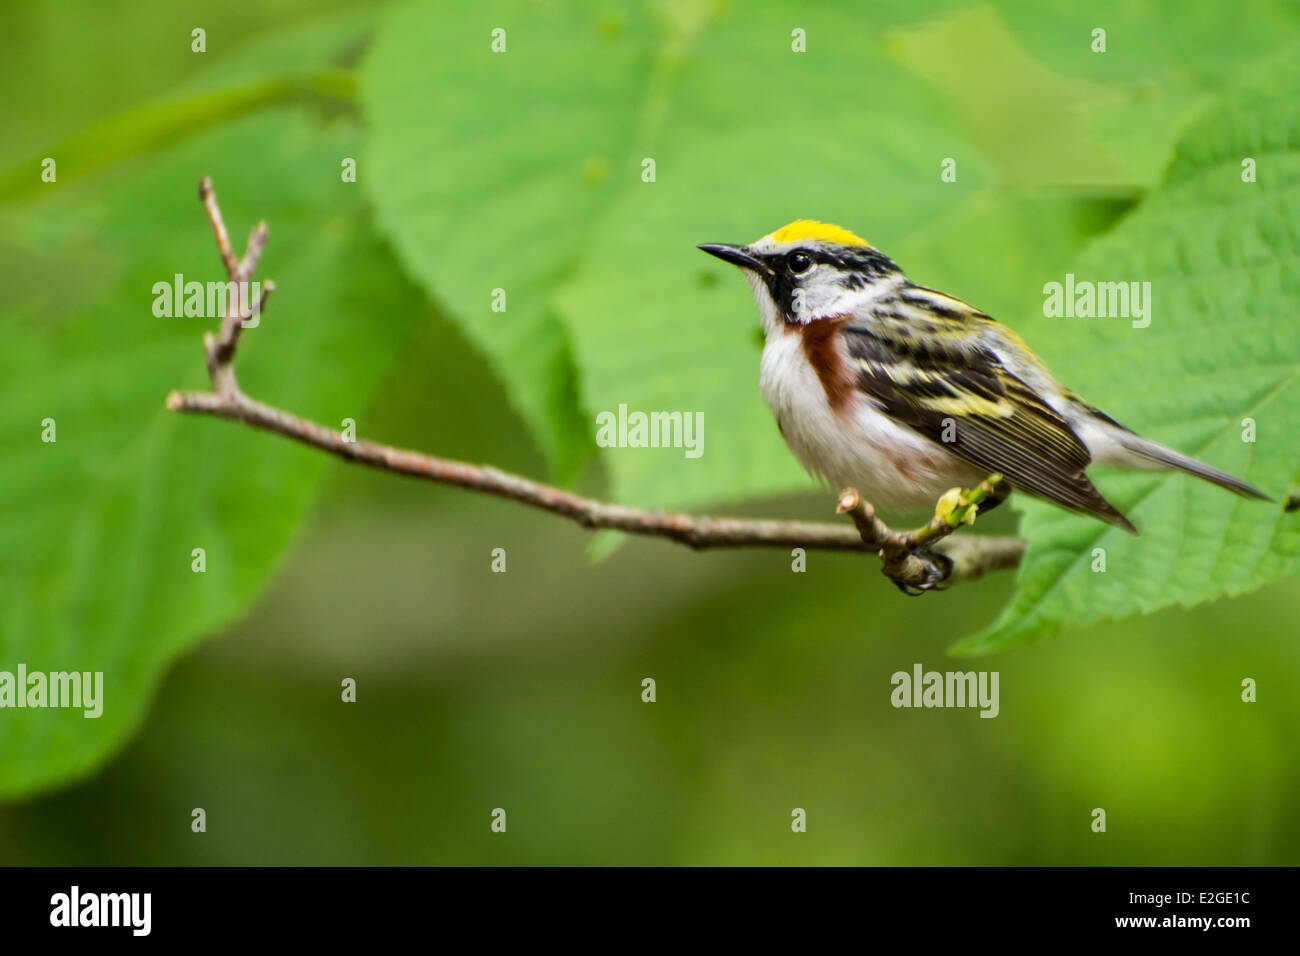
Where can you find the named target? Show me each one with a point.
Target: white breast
(858, 446)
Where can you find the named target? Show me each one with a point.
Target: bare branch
(916, 561)
(209, 199)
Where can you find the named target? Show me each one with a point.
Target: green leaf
(155, 126)
(1164, 63)
(523, 171)
(1022, 114)
(99, 526)
(1223, 346)
(485, 169)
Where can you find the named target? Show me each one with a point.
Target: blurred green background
(523, 690)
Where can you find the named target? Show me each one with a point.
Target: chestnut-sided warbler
(902, 392)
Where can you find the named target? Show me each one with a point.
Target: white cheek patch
(818, 295)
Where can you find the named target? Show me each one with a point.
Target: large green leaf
(1223, 346)
(99, 526)
(487, 167)
(523, 170)
(531, 180)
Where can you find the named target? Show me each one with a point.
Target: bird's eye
(799, 262)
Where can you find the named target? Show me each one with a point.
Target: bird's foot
(917, 571)
(909, 558)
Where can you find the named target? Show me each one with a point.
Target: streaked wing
(955, 392)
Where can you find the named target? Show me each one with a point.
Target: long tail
(1161, 456)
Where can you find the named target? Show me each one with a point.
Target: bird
(903, 392)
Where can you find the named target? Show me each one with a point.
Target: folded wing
(956, 393)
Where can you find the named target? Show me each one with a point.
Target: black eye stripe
(857, 266)
(867, 261)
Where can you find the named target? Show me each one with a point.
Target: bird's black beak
(736, 255)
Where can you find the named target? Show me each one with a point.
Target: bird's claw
(935, 570)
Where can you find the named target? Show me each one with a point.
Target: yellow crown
(811, 229)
